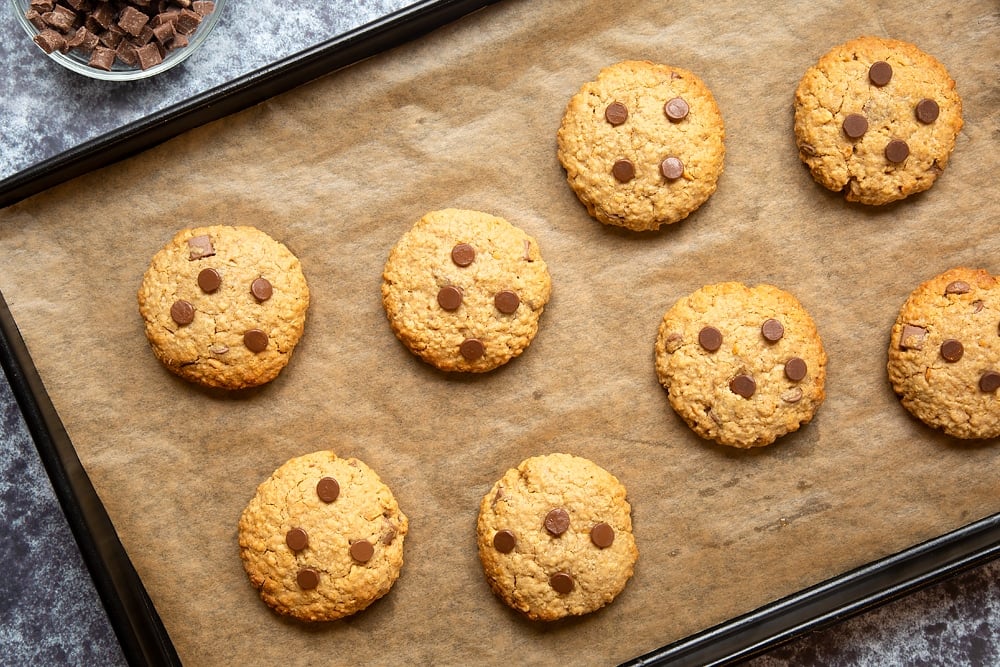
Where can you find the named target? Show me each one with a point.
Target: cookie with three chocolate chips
(642, 145)
(224, 306)
(464, 290)
(876, 119)
(944, 353)
(741, 365)
(322, 538)
(555, 537)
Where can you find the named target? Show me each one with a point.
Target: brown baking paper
(467, 117)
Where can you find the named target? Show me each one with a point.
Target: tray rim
(132, 614)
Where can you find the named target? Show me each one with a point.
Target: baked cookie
(555, 537)
(464, 290)
(944, 353)
(741, 365)
(877, 119)
(642, 145)
(224, 306)
(322, 538)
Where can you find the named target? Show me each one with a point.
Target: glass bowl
(77, 60)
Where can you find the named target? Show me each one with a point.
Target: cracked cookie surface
(555, 537)
(741, 365)
(642, 145)
(224, 306)
(464, 290)
(322, 538)
(944, 353)
(877, 119)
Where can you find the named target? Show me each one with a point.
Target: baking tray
(142, 635)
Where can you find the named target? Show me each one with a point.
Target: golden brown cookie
(741, 365)
(464, 290)
(877, 119)
(555, 537)
(642, 145)
(224, 306)
(322, 538)
(944, 353)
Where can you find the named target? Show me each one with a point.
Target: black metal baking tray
(139, 629)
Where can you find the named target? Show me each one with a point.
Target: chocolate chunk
(218, 348)
(710, 338)
(60, 18)
(602, 535)
(557, 521)
(880, 73)
(111, 38)
(103, 15)
(362, 551)
(297, 539)
(35, 19)
(795, 369)
(927, 111)
(504, 541)
(200, 247)
(958, 287)
(472, 349)
(42, 6)
(855, 125)
(164, 32)
(897, 151)
(327, 489)
(623, 171)
(912, 337)
(463, 254)
(102, 58)
(261, 289)
(506, 301)
(952, 350)
(131, 20)
(149, 55)
(772, 330)
(255, 340)
(743, 385)
(187, 21)
(203, 7)
(562, 582)
(209, 280)
(676, 109)
(50, 40)
(616, 113)
(126, 53)
(182, 312)
(672, 168)
(307, 578)
(989, 382)
(449, 297)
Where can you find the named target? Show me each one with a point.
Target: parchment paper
(467, 117)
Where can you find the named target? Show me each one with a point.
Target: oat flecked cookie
(643, 145)
(322, 538)
(224, 306)
(464, 290)
(741, 365)
(555, 537)
(944, 353)
(877, 119)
